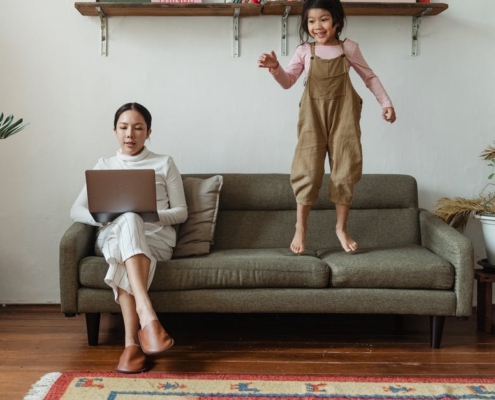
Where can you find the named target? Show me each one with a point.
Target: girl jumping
(329, 114)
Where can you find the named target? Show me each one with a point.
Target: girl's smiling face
(321, 27)
(132, 132)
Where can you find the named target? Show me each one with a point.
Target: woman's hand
(388, 114)
(268, 60)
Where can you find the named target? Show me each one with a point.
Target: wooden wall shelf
(282, 8)
(227, 9)
(368, 9)
(167, 9)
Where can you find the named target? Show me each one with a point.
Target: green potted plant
(457, 211)
(9, 127)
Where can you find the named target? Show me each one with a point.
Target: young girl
(329, 114)
(132, 247)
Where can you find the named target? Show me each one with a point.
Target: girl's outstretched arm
(268, 60)
(285, 77)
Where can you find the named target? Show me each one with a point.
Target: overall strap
(344, 56)
(341, 42)
(312, 46)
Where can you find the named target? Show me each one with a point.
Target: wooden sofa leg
(93, 327)
(436, 330)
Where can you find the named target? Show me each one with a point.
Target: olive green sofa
(409, 261)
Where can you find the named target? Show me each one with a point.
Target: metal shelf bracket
(415, 29)
(104, 32)
(284, 30)
(236, 32)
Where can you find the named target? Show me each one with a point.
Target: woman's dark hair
(137, 107)
(334, 7)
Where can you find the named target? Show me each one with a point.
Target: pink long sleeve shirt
(301, 61)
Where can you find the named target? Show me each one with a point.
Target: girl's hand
(388, 114)
(268, 60)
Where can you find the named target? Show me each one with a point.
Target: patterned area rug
(114, 386)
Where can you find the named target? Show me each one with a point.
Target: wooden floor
(35, 340)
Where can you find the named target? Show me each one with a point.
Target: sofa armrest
(78, 242)
(445, 241)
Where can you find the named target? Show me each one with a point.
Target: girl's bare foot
(299, 242)
(346, 241)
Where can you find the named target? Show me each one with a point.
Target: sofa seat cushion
(246, 268)
(405, 267)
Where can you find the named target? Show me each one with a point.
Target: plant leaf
(10, 127)
(18, 129)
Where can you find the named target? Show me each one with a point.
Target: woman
(132, 247)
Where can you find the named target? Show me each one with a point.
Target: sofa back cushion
(196, 234)
(259, 211)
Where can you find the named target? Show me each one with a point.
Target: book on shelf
(381, 1)
(177, 1)
(244, 1)
(149, 1)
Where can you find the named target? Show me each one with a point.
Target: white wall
(214, 113)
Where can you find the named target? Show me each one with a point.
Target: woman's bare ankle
(146, 315)
(131, 341)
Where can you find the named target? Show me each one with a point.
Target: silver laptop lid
(116, 191)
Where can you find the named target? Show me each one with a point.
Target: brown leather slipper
(132, 360)
(154, 339)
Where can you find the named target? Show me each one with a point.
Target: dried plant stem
(458, 210)
(488, 153)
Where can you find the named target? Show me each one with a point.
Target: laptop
(114, 192)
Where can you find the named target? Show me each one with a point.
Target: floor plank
(38, 339)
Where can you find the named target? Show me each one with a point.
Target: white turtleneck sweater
(170, 198)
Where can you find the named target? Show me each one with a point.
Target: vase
(488, 228)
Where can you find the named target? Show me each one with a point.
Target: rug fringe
(41, 388)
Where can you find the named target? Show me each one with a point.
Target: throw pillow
(195, 235)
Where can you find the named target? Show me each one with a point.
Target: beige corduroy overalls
(329, 115)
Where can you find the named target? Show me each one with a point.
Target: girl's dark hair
(334, 7)
(137, 107)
